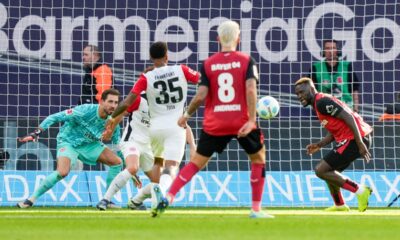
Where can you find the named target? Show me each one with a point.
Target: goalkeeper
(79, 137)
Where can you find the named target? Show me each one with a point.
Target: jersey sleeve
(135, 105)
(140, 85)
(63, 116)
(328, 106)
(252, 70)
(204, 79)
(190, 74)
(103, 75)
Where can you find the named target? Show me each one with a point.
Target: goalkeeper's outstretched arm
(50, 120)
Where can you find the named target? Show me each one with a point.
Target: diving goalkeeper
(79, 137)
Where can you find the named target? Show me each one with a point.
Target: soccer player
(136, 148)
(79, 137)
(229, 87)
(352, 136)
(166, 90)
(136, 202)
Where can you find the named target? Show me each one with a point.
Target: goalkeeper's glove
(33, 136)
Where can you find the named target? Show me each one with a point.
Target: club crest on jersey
(68, 111)
(331, 110)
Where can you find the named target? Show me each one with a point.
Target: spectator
(98, 76)
(336, 76)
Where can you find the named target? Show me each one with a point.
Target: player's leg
(136, 202)
(174, 150)
(337, 197)
(207, 145)
(114, 170)
(65, 155)
(108, 157)
(254, 146)
(339, 159)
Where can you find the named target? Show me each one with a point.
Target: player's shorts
(169, 143)
(208, 144)
(344, 153)
(143, 150)
(88, 153)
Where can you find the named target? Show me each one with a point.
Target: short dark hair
(158, 50)
(111, 91)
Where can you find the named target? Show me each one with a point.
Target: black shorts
(208, 144)
(344, 153)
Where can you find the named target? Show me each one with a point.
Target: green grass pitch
(205, 224)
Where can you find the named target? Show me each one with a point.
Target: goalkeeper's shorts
(88, 153)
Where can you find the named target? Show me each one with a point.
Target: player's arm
(251, 98)
(190, 140)
(49, 121)
(197, 100)
(327, 106)
(351, 123)
(315, 147)
(140, 86)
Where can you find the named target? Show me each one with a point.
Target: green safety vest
(336, 84)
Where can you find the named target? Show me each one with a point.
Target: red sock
(257, 180)
(350, 186)
(184, 176)
(338, 198)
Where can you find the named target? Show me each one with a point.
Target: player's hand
(136, 181)
(182, 121)
(109, 129)
(364, 151)
(312, 148)
(110, 124)
(107, 135)
(246, 128)
(33, 136)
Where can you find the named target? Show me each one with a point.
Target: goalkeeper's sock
(119, 182)
(165, 183)
(47, 184)
(184, 176)
(143, 194)
(257, 180)
(350, 186)
(112, 173)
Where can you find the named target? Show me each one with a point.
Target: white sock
(119, 182)
(143, 194)
(165, 183)
(360, 190)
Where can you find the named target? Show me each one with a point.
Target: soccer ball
(267, 107)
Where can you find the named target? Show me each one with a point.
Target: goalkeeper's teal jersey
(82, 125)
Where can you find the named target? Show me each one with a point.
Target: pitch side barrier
(216, 189)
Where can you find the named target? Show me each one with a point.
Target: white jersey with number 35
(166, 90)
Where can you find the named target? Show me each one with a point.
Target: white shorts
(169, 143)
(146, 157)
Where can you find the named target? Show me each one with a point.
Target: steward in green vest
(335, 76)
